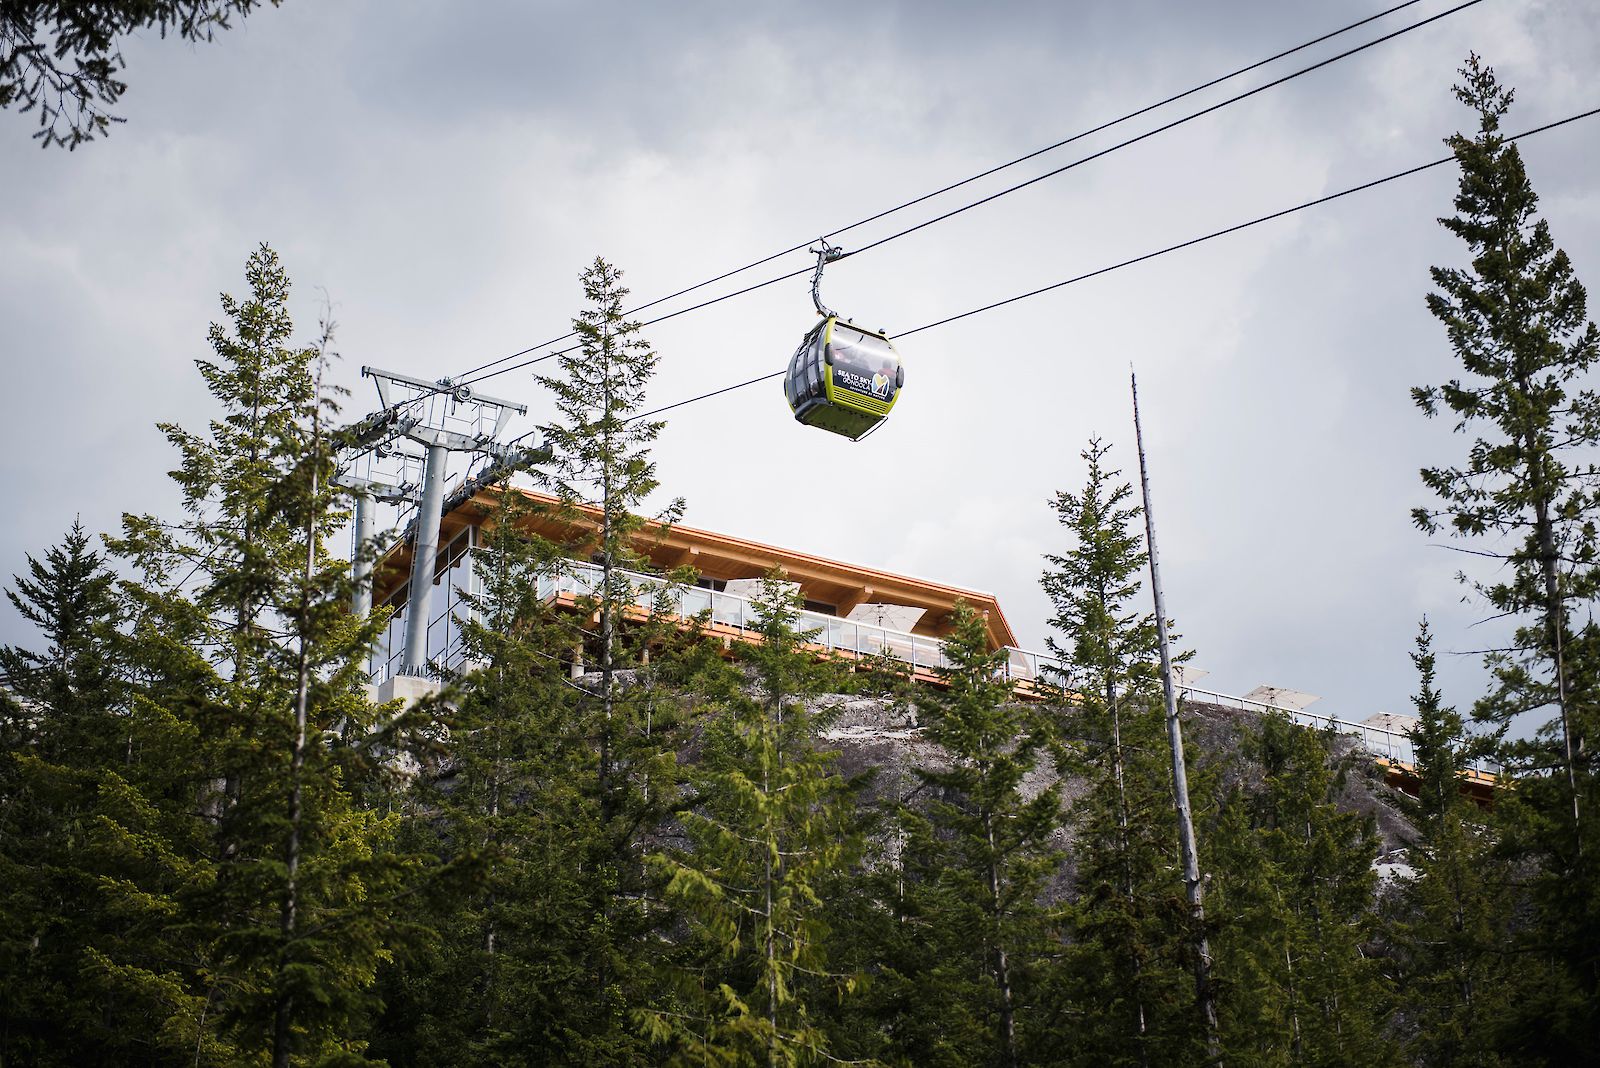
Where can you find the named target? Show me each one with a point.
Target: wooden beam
(723, 556)
(855, 600)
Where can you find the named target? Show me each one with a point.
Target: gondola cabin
(843, 379)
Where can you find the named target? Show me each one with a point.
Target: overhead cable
(466, 376)
(1162, 128)
(1146, 256)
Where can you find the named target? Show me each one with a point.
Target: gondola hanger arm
(825, 254)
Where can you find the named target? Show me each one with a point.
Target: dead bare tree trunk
(1193, 885)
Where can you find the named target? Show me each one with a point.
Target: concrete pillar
(425, 548)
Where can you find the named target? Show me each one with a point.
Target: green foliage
(1517, 320)
(1529, 496)
(70, 598)
(1293, 897)
(63, 59)
(288, 925)
(601, 475)
(196, 873)
(85, 870)
(1127, 963)
(1439, 741)
(974, 841)
(771, 825)
(601, 448)
(1108, 644)
(1452, 913)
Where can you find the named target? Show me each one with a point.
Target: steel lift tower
(443, 417)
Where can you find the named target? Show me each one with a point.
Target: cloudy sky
(445, 171)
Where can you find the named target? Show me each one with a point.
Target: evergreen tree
(83, 944)
(1529, 494)
(73, 684)
(960, 973)
(1454, 907)
(602, 472)
(771, 825)
(64, 60)
(1127, 963)
(559, 777)
(602, 475)
(1517, 320)
(261, 664)
(1294, 891)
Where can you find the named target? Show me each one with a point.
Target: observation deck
(850, 615)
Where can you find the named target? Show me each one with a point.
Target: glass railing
(858, 639)
(446, 610)
(729, 610)
(1395, 746)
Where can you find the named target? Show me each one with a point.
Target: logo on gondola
(851, 380)
(880, 384)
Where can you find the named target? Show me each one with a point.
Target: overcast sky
(445, 171)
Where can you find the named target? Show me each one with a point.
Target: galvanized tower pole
(444, 417)
(1180, 776)
(369, 493)
(361, 602)
(357, 443)
(424, 548)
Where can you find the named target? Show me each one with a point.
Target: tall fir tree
(960, 970)
(86, 880)
(70, 598)
(243, 638)
(1529, 495)
(1453, 909)
(1294, 891)
(602, 472)
(771, 826)
(1517, 319)
(560, 776)
(1126, 965)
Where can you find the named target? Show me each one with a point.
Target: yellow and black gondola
(843, 378)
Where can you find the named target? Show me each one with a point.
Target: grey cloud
(446, 175)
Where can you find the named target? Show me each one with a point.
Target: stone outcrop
(873, 733)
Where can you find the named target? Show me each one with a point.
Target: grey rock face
(873, 733)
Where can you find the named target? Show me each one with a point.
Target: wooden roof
(723, 556)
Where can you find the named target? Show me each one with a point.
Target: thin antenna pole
(1180, 776)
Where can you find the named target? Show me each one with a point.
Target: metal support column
(425, 547)
(361, 603)
(444, 417)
